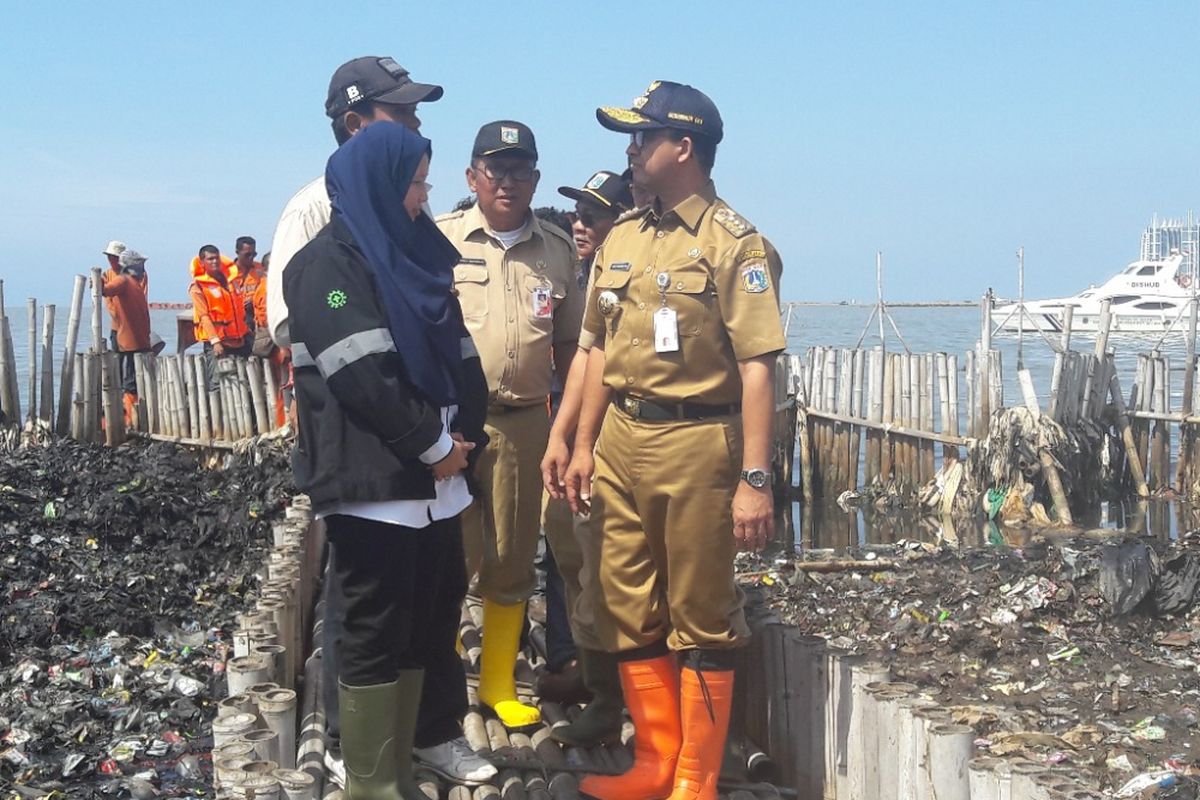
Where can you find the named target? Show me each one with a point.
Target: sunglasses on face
(638, 138)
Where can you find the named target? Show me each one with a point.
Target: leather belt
(650, 411)
(497, 408)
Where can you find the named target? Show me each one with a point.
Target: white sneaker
(456, 761)
(335, 768)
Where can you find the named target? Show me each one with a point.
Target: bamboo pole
(830, 377)
(941, 367)
(184, 423)
(66, 389)
(141, 418)
(78, 429)
(971, 375)
(97, 315)
(245, 396)
(195, 369)
(1189, 385)
(254, 370)
(150, 384)
(1049, 467)
(275, 392)
(908, 382)
(1090, 382)
(90, 412)
(46, 414)
(216, 409)
(805, 445)
(1060, 362)
(1156, 435)
(886, 449)
(32, 375)
(895, 429)
(166, 401)
(860, 369)
(6, 365)
(874, 413)
(952, 370)
(195, 398)
(113, 422)
(1131, 452)
(845, 392)
(929, 378)
(996, 383)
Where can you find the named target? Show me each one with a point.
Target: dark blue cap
(666, 104)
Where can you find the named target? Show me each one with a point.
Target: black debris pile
(1082, 650)
(121, 572)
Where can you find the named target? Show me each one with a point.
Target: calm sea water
(925, 330)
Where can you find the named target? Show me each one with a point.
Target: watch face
(756, 478)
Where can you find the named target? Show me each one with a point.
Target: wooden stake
(952, 370)
(928, 379)
(874, 412)
(78, 384)
(887, 453)
(32, 377)
(66, 388)
(1136, 473)
(97, 315)
(90, 411)
(195, 397)
(254, 370)
(1189, 381)
(860, 368)
(972, 406)
(114, 413)
(46, 413)
(195, 370)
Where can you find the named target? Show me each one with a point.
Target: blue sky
(944, 134)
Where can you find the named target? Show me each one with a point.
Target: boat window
(1154, 306)
(1150, 269)
(1124, 298)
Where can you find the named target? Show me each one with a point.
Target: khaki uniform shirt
(517, 303)
(722, 282)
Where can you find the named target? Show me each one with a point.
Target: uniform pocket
(471, 286)
(689, 295)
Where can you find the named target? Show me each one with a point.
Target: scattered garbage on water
(121, 571)
(1078, 650)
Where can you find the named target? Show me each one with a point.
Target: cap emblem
(638, 102)
(597, 180)
(353, 95)
(395, 70)
(623, 115)
(510, 135)
(653, 85)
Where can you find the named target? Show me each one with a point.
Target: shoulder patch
(632, 213)
(749, 253)
(731, 221)
(754, 278)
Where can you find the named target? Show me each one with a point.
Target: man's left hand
(753, 517)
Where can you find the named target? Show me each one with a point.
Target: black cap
(374, 78)
(504, 136)
(606, 189)
(666, 104)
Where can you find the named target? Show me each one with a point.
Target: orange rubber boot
(131, 410)
(705, 699)
(652, 695)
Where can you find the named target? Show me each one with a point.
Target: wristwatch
(757, 478)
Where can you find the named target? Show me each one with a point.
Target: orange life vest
(217, 310)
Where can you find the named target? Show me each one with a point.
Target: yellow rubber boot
(497, 687)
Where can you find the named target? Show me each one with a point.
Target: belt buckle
(632, 406)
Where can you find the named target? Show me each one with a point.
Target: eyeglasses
(588, 218)
(496, 174)
(638, 138)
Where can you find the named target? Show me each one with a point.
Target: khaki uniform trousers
(662, 493)
(576, 551)
(500, 532)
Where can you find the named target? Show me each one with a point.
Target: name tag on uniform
(542, 306)
(666, 330)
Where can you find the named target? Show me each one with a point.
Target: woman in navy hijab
(391, 401)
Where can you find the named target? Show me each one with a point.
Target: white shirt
(302, 219)
(452, 496)
(507, 238)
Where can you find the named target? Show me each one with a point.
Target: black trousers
(402, 590)
(560, 645)
(125, 365)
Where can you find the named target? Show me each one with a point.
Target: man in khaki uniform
(523, 306)
(684, 315)
(598, 205)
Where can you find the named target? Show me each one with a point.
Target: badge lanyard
(666, 323)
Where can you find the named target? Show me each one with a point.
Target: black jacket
(362, 424)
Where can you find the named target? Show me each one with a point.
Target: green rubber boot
(378, 725)
(601, 720)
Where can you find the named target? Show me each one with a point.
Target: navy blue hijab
(413, 262)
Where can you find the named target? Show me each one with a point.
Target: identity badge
(542, 305)
(666, 330)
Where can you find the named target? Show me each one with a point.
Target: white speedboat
(1148, 296)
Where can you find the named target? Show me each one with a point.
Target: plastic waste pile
(1081, 651)
(121, 573)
